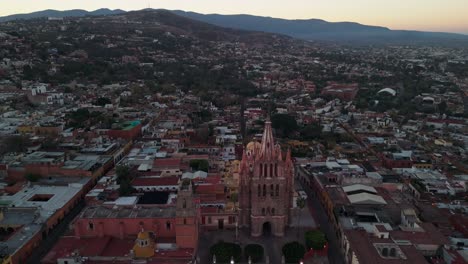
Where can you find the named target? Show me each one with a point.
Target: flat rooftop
(26, 223)
(123, 212)
(48, 199)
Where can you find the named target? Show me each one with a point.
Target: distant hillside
(316, 29)
(306, 29)
(183, 25)
(68, 13)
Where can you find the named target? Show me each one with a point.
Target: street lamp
(232, 260)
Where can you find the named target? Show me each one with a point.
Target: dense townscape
(147, 137)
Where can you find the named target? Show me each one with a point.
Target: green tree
(102, 101)
(311, 131)
(124, 180)
(15, 144)
(284, 123)
(122, 172)
(315, 239)
(293, 252)
(32, 177)
(442, 107)
(199, 165)
(224, 251)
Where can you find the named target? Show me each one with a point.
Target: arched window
(385, 252)
(277, 189)
(265, 168)
(272, 211)
(261, 170)
(271, 170)
(259, 191)
(392, 252)
(276, 169)
(264, 190)
(272, 191)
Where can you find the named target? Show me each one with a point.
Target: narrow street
(321, 218)
(52, 238)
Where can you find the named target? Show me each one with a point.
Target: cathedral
(266, 187)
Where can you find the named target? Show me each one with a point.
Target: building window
(272, 191)
(261, 170)
(90, 226)
(277, 189)
(209, 219)
(264, 190)
(185, 221)
(184, 204)
(385, 252)
(271, 170)
(265, 168)
(168, 225)
(263, 211)
(393, 252)
(272, 211)
(259, 191)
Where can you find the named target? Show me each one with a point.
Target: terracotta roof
(210, 189)
(430, 235)
(166, 163)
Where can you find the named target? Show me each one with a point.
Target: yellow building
(144, 246)
(25, 129)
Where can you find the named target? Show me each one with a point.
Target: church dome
(144, 235)
(253, 145)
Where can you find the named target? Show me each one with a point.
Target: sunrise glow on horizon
(426, 15)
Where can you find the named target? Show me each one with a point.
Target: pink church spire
(243, 164)
(288, 156)
(267, 149)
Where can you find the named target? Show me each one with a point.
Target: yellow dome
(253, 145)
(143, 235)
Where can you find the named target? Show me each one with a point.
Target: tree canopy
(284, 123)
(315, 239)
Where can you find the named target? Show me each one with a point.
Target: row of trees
(293, 252)
(224, 252)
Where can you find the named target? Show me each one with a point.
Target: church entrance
(266, 228)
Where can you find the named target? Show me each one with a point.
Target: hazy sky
(430, 15)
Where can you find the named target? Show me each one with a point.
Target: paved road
(321, 218)
(52, 238)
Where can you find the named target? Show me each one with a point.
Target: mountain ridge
(317, 29)
(306, 29)
(59, 13)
